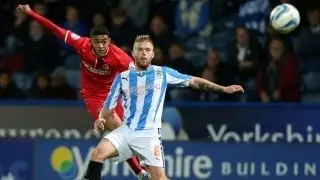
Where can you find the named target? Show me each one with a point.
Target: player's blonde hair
(143, 38)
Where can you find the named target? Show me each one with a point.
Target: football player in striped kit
(143, 91)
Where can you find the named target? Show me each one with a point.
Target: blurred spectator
(60, 88)
(73, 24)
(272, 33)
(40, 87)
(178, 62)
(19, 32)
(220, 73)
(314, 20)
(165, 9)
(192, 18)
(8, 90)
(40, 9)
(160, 34)
(6, 19)
(122, 31)
(20, 25)
(98, 19)
(137, 11)
(245, 54)
(39, 50)
(308, 44)
(254, 15)
(158, 57)
(26, 47)
(279, 80)
(55, 9)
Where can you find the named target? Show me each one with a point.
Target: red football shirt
(97, 75)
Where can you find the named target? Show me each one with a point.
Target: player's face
(100, 44)
(143, 53)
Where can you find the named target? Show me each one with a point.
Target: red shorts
(94, 106)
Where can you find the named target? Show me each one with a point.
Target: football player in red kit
(101, 61)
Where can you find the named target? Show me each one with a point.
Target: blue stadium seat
(72, 62)
(168, 133)
(197, 43)
(22, 81)
(172, 116)
(221, 41)
(225, 24)
(73, 78)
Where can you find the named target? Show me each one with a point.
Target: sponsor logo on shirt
(141, 90)
(105, 70)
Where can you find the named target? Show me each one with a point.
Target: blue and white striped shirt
(143, 94)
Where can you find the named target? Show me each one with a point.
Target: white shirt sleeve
(173, 77)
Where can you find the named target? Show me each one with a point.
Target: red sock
(135, 165)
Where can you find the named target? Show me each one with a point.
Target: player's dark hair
(99, 30)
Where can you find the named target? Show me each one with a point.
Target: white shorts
(146, 144)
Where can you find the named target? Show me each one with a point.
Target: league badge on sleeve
(75, 36)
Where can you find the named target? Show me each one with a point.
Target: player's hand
(233, 89)
(24, 8)
(99, 125)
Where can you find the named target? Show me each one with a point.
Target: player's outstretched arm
(173, 77)
(59, 32)
(205, 85)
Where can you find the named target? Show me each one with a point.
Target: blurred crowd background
(224, 41)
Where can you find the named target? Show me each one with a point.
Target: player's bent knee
(98, 155)
(104, 150)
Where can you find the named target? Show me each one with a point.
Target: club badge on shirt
(158, 74)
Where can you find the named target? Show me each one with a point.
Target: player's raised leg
(114, 146)
(133, 161)
(94, 106)
(103, 151)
